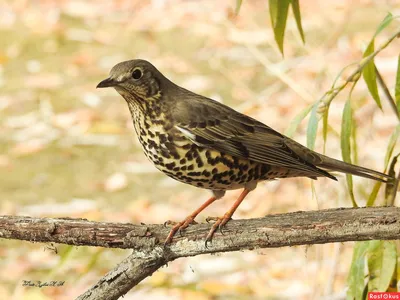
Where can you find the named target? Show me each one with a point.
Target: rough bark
(299, 228)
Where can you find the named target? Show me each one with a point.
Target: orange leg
(188, 220)
(221, 221)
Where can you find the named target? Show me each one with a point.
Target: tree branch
(299, 228)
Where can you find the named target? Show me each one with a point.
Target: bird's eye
(136, 74)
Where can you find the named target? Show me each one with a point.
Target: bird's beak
(109, 82)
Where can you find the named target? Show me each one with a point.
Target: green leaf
(369, 75)
(279, 10)
(325, 127)
(382, 258)
(392, 143)
(297, 120)
(238, 5)
(374, 194)
(297, 16)
(391, 186)
(393, 283)
(273, 11)
(389, 151)
(354, 149)
(339, 76)
(312, 127)
(397, 86)
(357, 271)
(385, 23)
(345, 135)
(349, 179)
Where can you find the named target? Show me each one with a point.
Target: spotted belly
(176, 156)
(211, 169)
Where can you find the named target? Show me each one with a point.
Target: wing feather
(231, 132)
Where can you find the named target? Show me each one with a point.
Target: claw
(205, 243)
(178, 227)
(221, 221)
(225, 219)
(218, 225)
(189, 220)
(220, 229)
(169, 222)
(214, 227)
(184, 225)
(208, 219)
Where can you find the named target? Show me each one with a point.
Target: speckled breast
(175, 155)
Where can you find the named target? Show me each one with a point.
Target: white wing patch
(188, 134)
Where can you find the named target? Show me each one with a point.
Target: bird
(204, 143)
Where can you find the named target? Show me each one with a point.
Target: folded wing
(212, 125)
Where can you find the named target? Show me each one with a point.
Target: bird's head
(135, 78)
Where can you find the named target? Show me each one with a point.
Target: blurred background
(69, 150)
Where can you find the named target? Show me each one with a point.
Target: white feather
(187, 134)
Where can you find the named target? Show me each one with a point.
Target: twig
(386, 92)
(299, 228)
(354, 76)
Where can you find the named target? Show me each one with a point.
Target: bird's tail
(331, 164)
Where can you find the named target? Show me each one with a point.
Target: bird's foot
(218, 225)
(178, 227)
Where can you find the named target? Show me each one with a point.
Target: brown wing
(214, 125)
